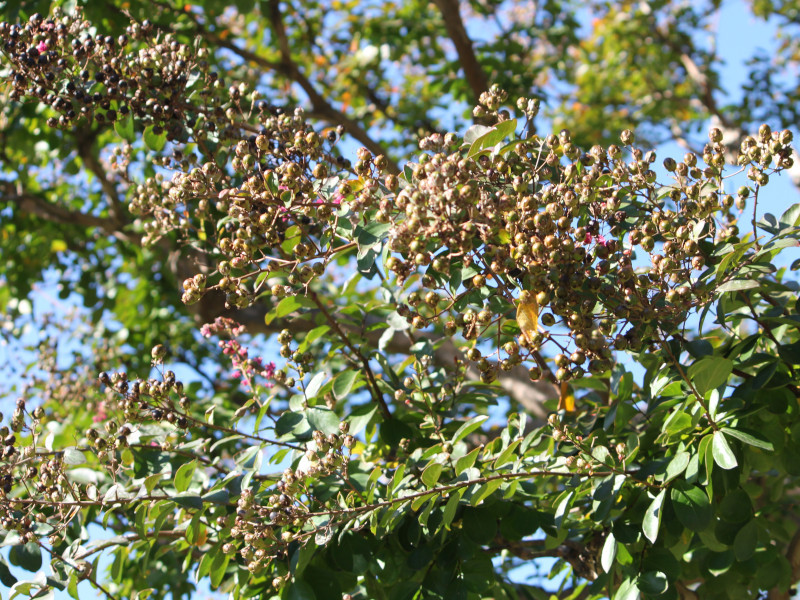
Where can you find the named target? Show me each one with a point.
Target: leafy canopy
(550, 350)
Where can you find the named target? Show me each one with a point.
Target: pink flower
(42, 47)
(588, 238)
(602, 241)
(269, 371)
(100, 415)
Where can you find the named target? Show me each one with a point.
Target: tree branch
(466, 54)
(84, 142)
(289, 68)
(531, 395)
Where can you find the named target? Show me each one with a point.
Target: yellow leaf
(528, 315)
(567, 399)
(58, 246)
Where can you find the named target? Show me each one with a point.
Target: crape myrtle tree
(498, 346)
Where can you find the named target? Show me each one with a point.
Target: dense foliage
(495, 348)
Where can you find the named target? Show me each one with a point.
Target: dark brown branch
(694, 72)
(373, 385)
(466, 54)
(287, 67)
(320, 104)
(84, 144)
(38, 206)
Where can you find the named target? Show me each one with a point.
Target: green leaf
(653, 583)
(737, 285)
(450, 509)
(677, 465)
(466, 461)
(124, 128)
(298, 590)
(287, 306)
(183, 476)
(746, 541)
(507, 455)
(469, 427)
(343, 383)
(723, 455)
(710, 372)
(475, 132)
(691, 506)
(188, 500)
(628, 590)
(371, 235)
(430, 476)
(323, 419)
(484, 491)
(652, 517)
(72, 586)
(316, 334)
(396, 478)
(27, 556)
(313, 387)
(294, 423)
(677, 422)
(217, 497)
(154, 141)
(492, 137)
(420, 500)
(608, 553)
(360, 417)
(749, 437)
(117, 567)
(73, 456)
(6, 578)
(218, 568)
(140, 520)
(791, 217)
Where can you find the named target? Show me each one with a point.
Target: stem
(688, 381)
(376, 392)
(90, 577)
(755, 229)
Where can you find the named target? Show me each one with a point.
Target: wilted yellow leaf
(567, 399)
(528, 315)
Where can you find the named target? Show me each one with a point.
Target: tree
(498, 348)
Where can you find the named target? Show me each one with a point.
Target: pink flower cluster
(222, 326)
(100, 414)
(337, 199)
(600, 239)
(244, 367)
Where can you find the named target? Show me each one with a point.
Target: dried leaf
(566, 400)
(528, 317)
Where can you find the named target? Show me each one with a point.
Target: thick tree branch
(320, 104)
(582, 557)
(733, 133)
(37, 206)
(84, 144)
(287, 67)
(473, 71)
